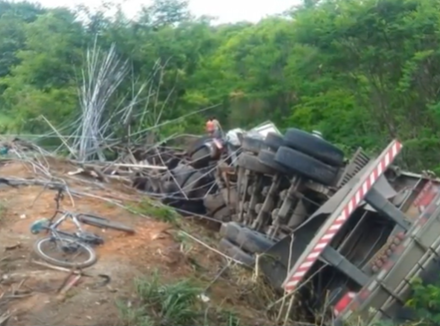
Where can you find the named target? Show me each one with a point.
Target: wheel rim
(85, 248)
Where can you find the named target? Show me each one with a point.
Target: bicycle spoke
(64, 251)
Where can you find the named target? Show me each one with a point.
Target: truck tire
(182, 173)
(253, 242)
(230, 231)
(192, 184)
(314, 146)
(233, 251)
(252, 145)
(172, 191)
(170, 187)
(201, 158)
(223, 214)
(199, 143)
(306, 166)
(251, 162)
(267, 158)
(213, 202)
(172, 163)
(273, 141)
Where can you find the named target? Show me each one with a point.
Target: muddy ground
(30, 291)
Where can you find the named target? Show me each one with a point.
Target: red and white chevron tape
(384, 160)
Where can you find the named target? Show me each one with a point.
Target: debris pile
(291, 206)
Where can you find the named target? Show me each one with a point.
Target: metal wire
(212, 185)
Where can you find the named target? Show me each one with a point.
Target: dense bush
(362, 72)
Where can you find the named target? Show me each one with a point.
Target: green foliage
(426, 302)
(157, 211)
(361, 72)
(171, 303)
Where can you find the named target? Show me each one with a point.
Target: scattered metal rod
(69, 283)
(197, 215)
(145, 166)
(14, 246)
(211, 248)
(67, 278)
(217, 276)
(106, 278)
(5, 318)
(172, 176)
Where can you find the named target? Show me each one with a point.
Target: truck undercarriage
(343, 238)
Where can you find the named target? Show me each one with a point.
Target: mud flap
(275, 261)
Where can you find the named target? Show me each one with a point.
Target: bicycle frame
(79, 235)
(65, 215)
(53, 227)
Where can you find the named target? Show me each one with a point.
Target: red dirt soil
(123, 257)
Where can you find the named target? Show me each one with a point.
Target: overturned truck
(344, 237)
(347, 237)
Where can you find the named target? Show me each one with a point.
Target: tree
(361, 72)
(44, 81)
(166, 13)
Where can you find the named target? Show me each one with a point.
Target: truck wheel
(182, 173)
(223, 214)
(201, 158)
(213, 202)
(233, 251)
(193, 184)
(253, 242)
(252, 145)
(199, 143)
(170, 187)
(252, 163)
(306, 165)
(314, 146)
(220, 215)
(230, 231)
(273, 141)
(172, 163)
(268, 158)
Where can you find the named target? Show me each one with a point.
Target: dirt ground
(29, 290)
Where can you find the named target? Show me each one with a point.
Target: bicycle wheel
(102, 222)
(67, 247)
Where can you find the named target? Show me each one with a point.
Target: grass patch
(156, 210)
(161, 303)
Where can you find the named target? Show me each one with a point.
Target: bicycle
(71, 243)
